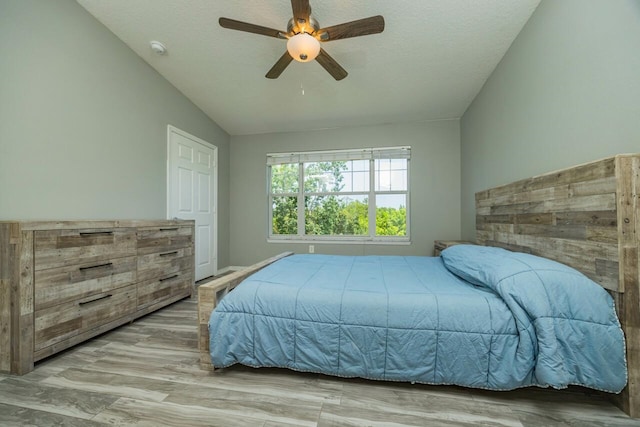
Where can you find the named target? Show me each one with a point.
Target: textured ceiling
(429, 63)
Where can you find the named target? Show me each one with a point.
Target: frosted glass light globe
(303, 47)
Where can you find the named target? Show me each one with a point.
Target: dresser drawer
(163, 264)
(63, 321)
(163, 239)
(154, 291)
(57, 248)
(58, 285)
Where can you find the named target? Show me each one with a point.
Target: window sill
(342, 241)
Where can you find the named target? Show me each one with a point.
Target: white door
(192, 193)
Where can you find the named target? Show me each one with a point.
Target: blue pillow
(486, 265)
(530, 277)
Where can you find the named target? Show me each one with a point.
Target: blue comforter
(469, 318)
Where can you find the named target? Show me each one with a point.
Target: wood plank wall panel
(586, 217)
(569, 216)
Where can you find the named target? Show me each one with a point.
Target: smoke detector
(158, 47)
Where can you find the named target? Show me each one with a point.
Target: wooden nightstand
(441, 245)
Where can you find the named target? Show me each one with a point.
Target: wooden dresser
(66, 281)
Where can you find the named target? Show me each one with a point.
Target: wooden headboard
(586, 217)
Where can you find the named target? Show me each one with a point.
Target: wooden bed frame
(584, 216)
(210, 293)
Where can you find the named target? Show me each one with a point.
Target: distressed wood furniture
(587, 217)
(441, 245)
(64, 282)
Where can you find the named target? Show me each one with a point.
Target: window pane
(398, 164)
(391, 175)
(322, 177)
(336, 215)
(391, 215)
(285, 215)
(356, 177)
(359, 165)
(338, 176)
(383, 164)
(360, 181)
(284, 178)
(399, 180)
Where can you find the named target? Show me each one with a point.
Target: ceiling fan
(304, 36)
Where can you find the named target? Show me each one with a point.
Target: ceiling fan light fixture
(305, 34)
(303, 47)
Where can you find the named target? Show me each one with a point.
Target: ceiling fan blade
(330, 64)
(232, 24)
(361, 27)
(301, 11)
(279, 66)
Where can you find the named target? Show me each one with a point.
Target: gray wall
(566, 92)
(435, 185)
(83, 121)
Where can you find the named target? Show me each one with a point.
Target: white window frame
(371, 154)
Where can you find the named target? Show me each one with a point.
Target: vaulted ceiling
(429, 63)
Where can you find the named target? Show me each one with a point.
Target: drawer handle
(109, 264)
(95, 233)
(169, 229)
(169, 278)
(169, 253)
(94, 300)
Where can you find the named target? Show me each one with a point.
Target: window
(340, 195)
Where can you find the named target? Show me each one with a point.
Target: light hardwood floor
(147, 374)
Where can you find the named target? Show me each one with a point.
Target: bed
(504, 334)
